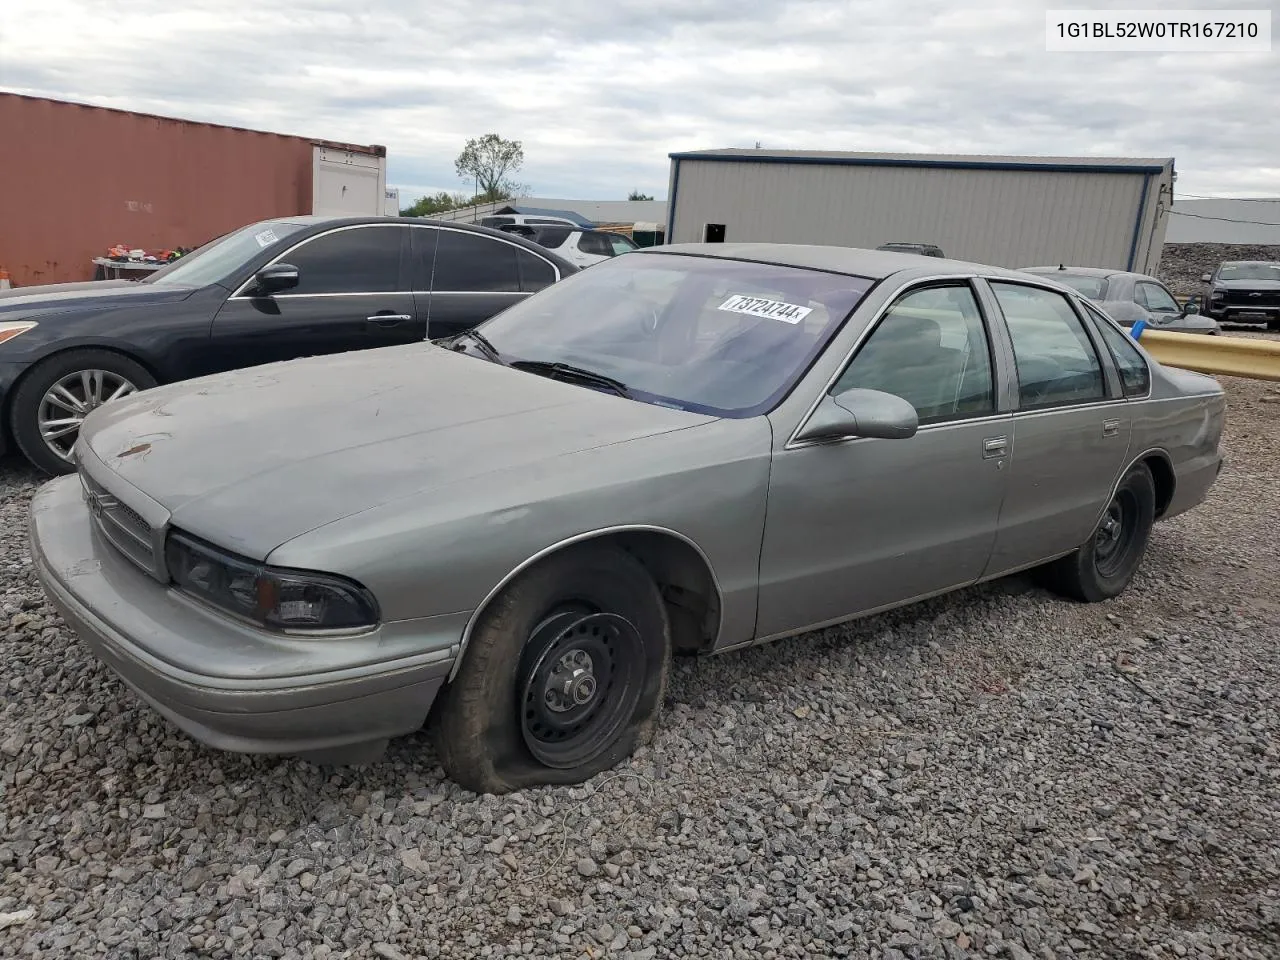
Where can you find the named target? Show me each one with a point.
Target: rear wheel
(1104, 566)
(52, 401)
(563, 676)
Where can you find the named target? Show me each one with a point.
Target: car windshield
(1249, 271)
(219, 258)
(1094, 288)
(711, 335)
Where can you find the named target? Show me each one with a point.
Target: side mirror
(861, 413)
(277, 277)
(1206, 278)
(1192, 307)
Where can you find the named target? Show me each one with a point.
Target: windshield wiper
(569, 372)
(488, 349)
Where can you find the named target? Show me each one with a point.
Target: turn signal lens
(11, 328)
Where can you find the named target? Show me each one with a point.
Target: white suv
(502, 221)
(580, 246)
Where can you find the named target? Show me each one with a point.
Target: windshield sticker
(266, 238)
(760, 307)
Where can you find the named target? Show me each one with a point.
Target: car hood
(254, 458)
(1247, 285)
(54, 298)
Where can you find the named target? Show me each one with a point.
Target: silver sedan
(688, 449)
(1129, 297)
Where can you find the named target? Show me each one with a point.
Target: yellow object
(1219, 356)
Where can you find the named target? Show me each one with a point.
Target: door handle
(1110, 428)
(388, 318)
(994, 447)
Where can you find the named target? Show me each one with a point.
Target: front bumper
(230, 687)
(1238, 312)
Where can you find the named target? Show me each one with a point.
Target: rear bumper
(345, 712)
(1192, 483)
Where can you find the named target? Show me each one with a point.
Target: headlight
(11, 328)
(1218, 294)
(288, 601)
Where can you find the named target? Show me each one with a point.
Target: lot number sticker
(760, 307)
(266, 238)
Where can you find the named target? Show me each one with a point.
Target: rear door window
(471, 263)
(1055, 358)
(595, 244)
(1095, 288)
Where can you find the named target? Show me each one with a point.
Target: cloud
(600, 93)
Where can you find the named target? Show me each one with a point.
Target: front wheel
(52, 401)
(1103, 567)
(563, 677)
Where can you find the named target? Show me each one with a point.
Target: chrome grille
(120, 525)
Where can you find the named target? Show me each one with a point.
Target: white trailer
(348, 183)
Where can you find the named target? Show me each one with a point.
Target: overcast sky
(601, 91)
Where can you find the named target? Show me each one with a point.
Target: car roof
(854, 261)
(1087, 272)
(1249, 263)
(342, 221)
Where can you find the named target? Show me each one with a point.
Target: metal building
(1005, 211)
(1252, 220)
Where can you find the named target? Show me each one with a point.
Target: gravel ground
(1183, 264)
(996, 773)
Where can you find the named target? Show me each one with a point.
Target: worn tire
(24, 416)
(477, 719)
(1079, 575)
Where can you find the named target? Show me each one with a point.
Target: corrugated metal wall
(1011, 218)
(75, 180)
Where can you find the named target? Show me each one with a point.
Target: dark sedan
(275, 290)
(1244, 291)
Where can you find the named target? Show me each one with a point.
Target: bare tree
(487, 161)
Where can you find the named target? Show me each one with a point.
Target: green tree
(487, 162)
(435, 203)
(637, 195)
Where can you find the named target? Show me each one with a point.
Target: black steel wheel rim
(1115, 534)
(580, 682)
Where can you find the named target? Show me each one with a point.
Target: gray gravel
(995, 774)
(1183, 264)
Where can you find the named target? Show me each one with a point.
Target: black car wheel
(53, 399)
(1103, 567)
(563, 676)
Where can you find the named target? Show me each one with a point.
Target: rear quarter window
(1135, 375)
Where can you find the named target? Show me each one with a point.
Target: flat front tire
(1104, 566)
(563, 676)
